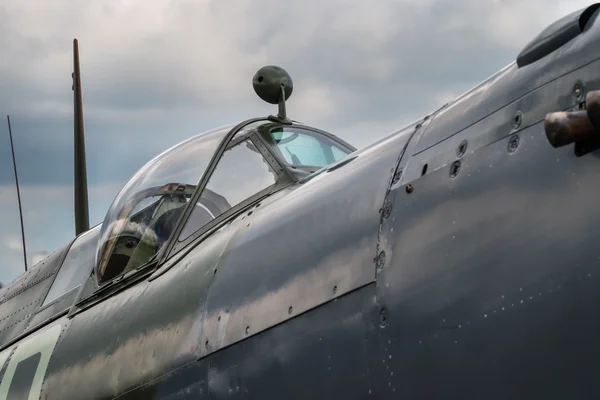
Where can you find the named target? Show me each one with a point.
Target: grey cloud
(377, 60)
(155, 73)
(179, 60)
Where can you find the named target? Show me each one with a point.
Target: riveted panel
(512, 83)
(492, 277)
(322, 354)
(557, 95)
(25, 295)
(137, 334)
(329, 228)
(40, 272)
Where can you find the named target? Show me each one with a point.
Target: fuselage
(453, 259)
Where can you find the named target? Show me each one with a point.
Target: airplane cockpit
(186, 194)
(198, 184)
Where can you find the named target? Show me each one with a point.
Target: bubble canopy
(132, 232)
(234, 166)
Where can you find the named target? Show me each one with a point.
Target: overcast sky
(156, 72)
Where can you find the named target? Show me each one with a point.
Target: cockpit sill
(153, 268)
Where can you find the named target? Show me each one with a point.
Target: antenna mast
(82, 219)
(12, 148)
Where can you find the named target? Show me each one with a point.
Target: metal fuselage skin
(455, 258)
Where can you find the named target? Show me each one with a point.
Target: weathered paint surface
(475, 274)
(221, 287)
(22, 298)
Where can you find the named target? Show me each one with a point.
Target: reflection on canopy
(143, 215)
(149, 208)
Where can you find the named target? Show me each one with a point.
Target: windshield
(301, 147)
(143, 215)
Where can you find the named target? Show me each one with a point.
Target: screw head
(334, 289)
(578, 91)
(247, 330)
(462, 149)
(454, 169)
(290, 310)
(387, 209)
(517, 120)
(409, 188)
(206, 344)
(380, 260)
(513, 143)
